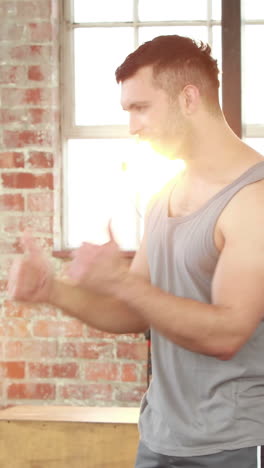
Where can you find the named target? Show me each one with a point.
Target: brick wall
(45, 355)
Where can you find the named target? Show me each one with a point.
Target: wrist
(129, 287)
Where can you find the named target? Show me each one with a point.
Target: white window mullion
(109, 141)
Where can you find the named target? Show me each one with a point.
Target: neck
(213, 151)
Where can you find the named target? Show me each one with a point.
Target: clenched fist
(31, 275)
(100, 268)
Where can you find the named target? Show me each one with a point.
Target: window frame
(69, 130)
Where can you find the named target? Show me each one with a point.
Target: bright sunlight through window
(106, 174)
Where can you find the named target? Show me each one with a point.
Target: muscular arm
(103, 312)
(219, 329)
(31, 279)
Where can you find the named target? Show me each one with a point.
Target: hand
(100, 268)
(31, 275)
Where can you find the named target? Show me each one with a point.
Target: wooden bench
(68, 437)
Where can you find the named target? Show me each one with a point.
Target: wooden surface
(71, 413)
(68, 437)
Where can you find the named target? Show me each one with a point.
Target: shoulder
(245, 212)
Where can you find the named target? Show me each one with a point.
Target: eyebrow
(135, 104)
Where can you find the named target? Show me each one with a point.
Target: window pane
(253, 9)
(103, 10)
(217, 45)
(169, 10)
(253, 75)
(217, 10)
(195, 32)
(217, 53)
(98, 52)
(256, 143)
(109, 179)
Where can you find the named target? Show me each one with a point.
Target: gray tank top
(197, 404)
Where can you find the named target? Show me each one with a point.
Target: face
(153, 115)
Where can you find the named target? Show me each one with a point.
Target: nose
(134, 125)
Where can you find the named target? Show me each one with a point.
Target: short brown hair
(177, 61)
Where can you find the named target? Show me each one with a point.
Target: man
(197, 278)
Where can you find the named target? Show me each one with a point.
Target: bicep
(239, 277)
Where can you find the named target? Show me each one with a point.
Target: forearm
(199, 327)
(101, 312)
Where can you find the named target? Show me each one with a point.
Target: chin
(164, 150)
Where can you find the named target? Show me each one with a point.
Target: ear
(190, 99)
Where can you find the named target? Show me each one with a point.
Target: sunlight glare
(113, 179)
(148, 172)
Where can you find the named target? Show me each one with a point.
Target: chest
(183, 203)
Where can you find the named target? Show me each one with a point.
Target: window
(253, 73)
(107, 174)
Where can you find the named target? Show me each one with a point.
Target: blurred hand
(31, 275)
(100, 268)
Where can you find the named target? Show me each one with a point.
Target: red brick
(25, 180)
(11, 32)
(36, 391)
(9, 116)
(143, 374)
(19, 309)
(41, 32)
(5, 265)
(35, 73)
(20, 139)
(40, 159)
(45, 328)
(129, 373)
(12, 97)
(100, 392)
(102, 371)
(41, 73)
(12, 202)
(136, 351)
(40, 201)
(34, 9)
(8, 9)
(39, 370)
(12, 370)
(42, 116)
(129, 394)
(12, 74)
(28, 349)
(88, 350)
(66, 370)
(17, 224)
(10, 159)
(33, 96)
(43, 224)
(16, 327)
(39, 116)
(31, 53)
(29, 116)
(25, 310)
(8, 246)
